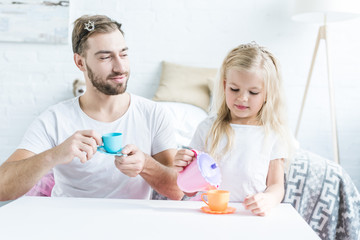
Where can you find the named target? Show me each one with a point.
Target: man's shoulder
(144, 105)
(136, 99)
(62, 107)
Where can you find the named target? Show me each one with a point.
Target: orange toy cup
(217, 199)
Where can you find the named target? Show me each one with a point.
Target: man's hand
(82, 144)
(132, 164)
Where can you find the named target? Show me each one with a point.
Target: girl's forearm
(276, 191)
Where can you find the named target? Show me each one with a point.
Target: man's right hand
(82, 144)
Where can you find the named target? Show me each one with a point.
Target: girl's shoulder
(207, 122)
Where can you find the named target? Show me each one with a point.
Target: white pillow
(186, 118)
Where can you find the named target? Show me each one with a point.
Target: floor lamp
(324, 11)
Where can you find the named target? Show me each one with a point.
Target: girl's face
(245, 95)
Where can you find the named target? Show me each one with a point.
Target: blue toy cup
(112, 142)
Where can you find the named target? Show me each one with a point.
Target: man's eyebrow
(108, 52)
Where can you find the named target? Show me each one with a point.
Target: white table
(93, 218)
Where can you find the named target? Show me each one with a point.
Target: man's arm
(21, 172)
(160, 174)
(158, 170)
(24, 169)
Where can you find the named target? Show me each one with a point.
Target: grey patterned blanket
(325, 196)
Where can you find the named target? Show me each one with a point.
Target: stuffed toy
(79, 87)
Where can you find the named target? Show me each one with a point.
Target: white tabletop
(93, 218)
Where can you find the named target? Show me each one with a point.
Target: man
(60, 139)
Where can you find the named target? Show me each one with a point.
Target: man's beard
(104, 86)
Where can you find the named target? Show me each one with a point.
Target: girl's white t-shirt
(145, 124)
(245, 167)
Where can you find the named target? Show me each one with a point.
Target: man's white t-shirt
(145, 124)
(245, 167)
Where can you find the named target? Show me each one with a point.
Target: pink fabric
(43, 187)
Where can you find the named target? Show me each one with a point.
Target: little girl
(247, 133)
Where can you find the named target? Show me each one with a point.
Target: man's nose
(119, 65)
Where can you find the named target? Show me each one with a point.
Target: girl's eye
(254, 93)
(234, 89)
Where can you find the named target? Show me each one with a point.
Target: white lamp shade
(335, 10)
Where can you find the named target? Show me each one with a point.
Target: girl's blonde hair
(250, 58)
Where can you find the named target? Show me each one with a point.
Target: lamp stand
(322, 35)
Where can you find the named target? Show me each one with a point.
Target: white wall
(196, 33)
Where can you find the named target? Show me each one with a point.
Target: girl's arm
(183, 157)
(261, 203)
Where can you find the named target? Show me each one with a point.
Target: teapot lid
(209, 169)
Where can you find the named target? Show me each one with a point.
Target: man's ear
(80, 62)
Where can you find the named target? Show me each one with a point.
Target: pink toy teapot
(201, 174)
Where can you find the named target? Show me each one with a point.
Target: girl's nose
(243, 97)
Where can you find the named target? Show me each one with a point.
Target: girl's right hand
(183, 158)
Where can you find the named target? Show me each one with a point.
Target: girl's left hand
(259, 203)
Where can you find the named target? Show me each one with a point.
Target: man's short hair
(87, 25)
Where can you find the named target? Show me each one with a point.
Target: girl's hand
(183, 158)
(260, 203)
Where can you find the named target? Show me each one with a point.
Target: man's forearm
(161, 178)
(18, 177)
